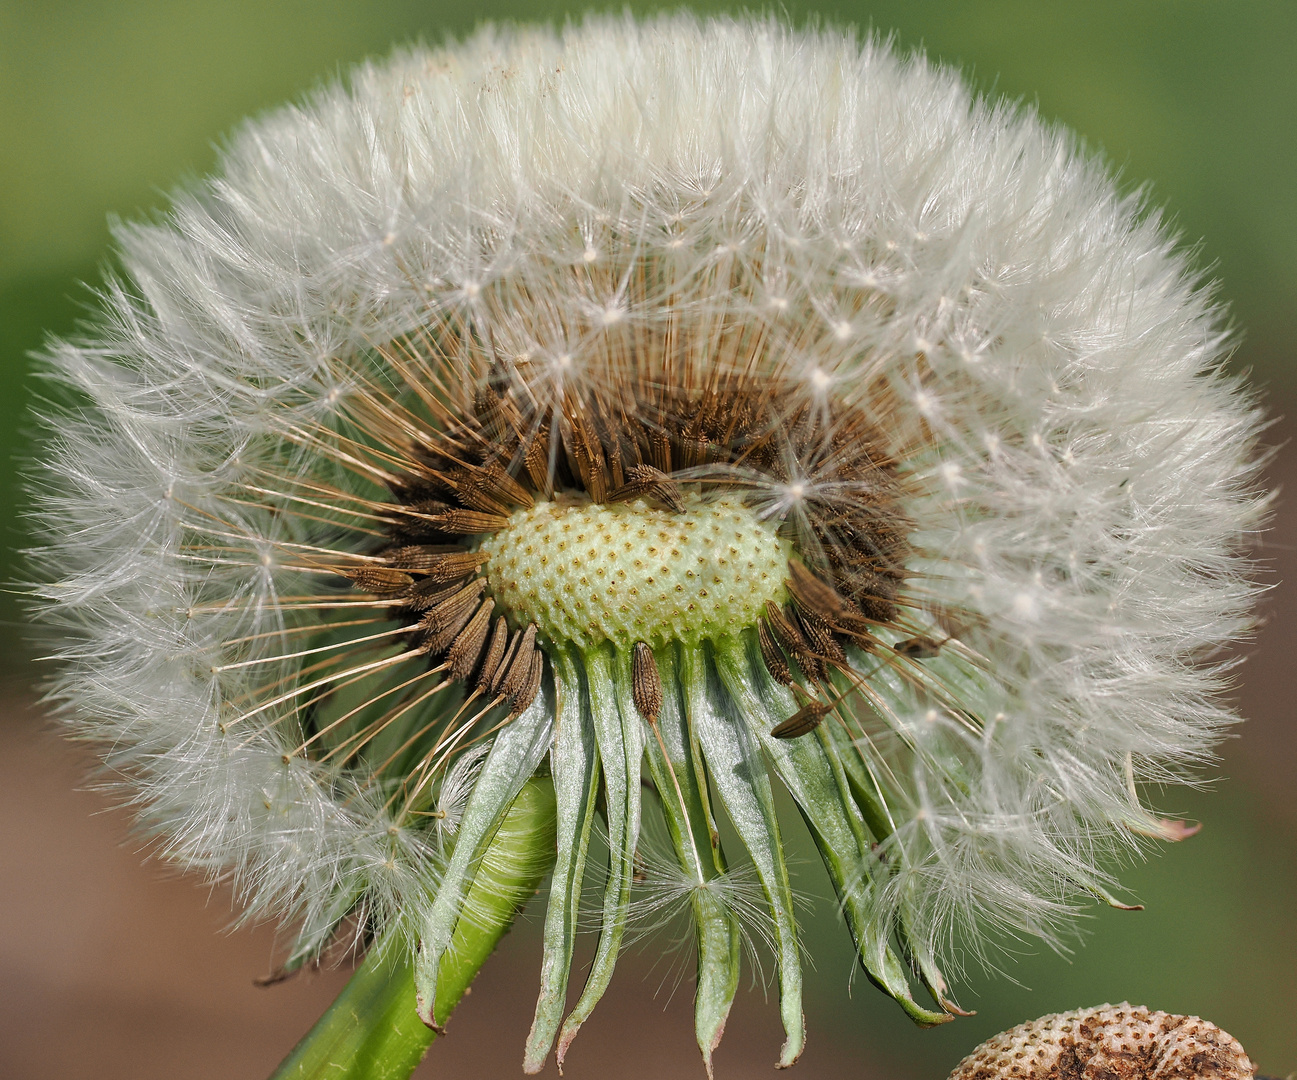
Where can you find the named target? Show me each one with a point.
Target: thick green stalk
(372, 1031)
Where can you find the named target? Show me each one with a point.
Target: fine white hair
(1079, 474)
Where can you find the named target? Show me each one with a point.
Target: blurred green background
(105, 107)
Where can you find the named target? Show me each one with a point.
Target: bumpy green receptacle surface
(627, 572)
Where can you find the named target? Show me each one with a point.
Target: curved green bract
(574, 765)
(372, 1031)
(514, 755)
(676, 766)
(735, 766)
(620, 739)
(812, 770)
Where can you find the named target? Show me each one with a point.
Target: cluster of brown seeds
(1110, 1042)
(469, 471)
(453, 622)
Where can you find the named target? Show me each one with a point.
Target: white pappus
(899, 437)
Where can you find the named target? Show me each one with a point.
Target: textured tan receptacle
(625, 572)
(1109, 1042)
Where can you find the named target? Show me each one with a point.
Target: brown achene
(636, 440)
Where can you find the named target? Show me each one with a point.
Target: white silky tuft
(1080, 476)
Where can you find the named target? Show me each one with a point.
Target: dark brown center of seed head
(815, 469)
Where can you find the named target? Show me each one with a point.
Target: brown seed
(489, 488)
(496, 413)
(918, 648)
(790, 637)
(644, 480)
(469, 493)
(494, 653)
(426, 508)
(459, 564)
(616, 475)
(872, 592)
(429, 592)
(466, 649)
(460, 602)
(813, 595)
(380, 580)
(465, 522)
(461, 484)
(1121, 1042)
(804, 720)
(518, 672)
(590, 463)
(771, 654)
(522, 699)
(438, 562)
(416, 556)
(659, 447)
(439, 641)
(536, 457)
(646, 683)
(444, 622)
(819, 636)
(497, 481)
(506, 662)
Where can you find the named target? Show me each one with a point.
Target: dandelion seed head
(1125, 1041)
(962, 490)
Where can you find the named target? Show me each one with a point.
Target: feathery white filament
(1040, 361)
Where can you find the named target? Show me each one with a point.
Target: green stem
(371, 1031)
